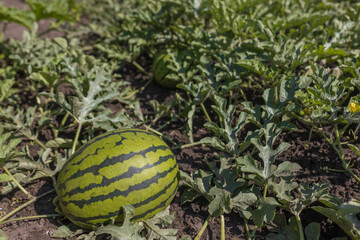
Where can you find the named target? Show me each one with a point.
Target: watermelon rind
(128, 166)
(163, 74)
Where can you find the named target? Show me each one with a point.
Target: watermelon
(129, 166)
(164, 65)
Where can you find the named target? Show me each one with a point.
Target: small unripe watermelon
(129, 166)
(164, 64)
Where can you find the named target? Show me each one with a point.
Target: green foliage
(64, 10)
(60, 10)
(226, 135)
(267, 155)
(15, 15)
(287, 230)
(128, 230)
(343, 214)
(90, 94)
(7, 150)
(221, 187)
(324, 93)
(302, 57)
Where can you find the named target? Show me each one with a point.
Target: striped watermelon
(129, 166)
(164, 75)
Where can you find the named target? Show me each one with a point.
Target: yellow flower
(354, 107)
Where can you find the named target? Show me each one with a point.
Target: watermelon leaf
(8, 147)
(199, 93)
(128, 231)
(288, 230)
(283, 229)
(59, 143)
(164, 218)
(312, 231)
(268, 155)
(57, 9)
(226, 132)
(125, 232)
(92, 91)
(7, 82)
(200, 182)
(65, 231)
(23, 17)
(4, 178)
(265, 211)
(344, 215)
(158, 233)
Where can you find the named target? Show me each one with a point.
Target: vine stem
(198, 236)
(33, 138)
(164, 125)
(253, 233)
(299, 225)
(188, 145)
(341, 155)
(159, 133)
(2, 111)
(222, 227)
(243, 94)
(62, 124)
(336, 145)
(247, 230)
(3, 32)
(76, 138)
(17, 183)
(30, 217)
(24, 205)
(308, 122)
(55, 27)
(333, 170)
(21, 125)
(133, 93)
(205, 112)
(265, 190)
(338, 149)
(140, 68)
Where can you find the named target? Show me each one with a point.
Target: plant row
(305, 54)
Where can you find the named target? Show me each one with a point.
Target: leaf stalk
(300, 228)
(2, 220)
(76, 138)
(30, 217)
(198, 236)
(222, 227)
(17, 183)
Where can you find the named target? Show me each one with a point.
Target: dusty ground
(312, 156)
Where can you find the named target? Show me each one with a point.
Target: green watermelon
(129, 166)
(163, 74)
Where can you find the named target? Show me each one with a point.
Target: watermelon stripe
(159, 206)
(158, 59)
(146, 201)
(88, 155)
(111, 161)
(157, 195)
(103, 136)
(128, 174)
(127, 156)
(116, 193)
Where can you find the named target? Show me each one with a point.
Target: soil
(313, 156)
